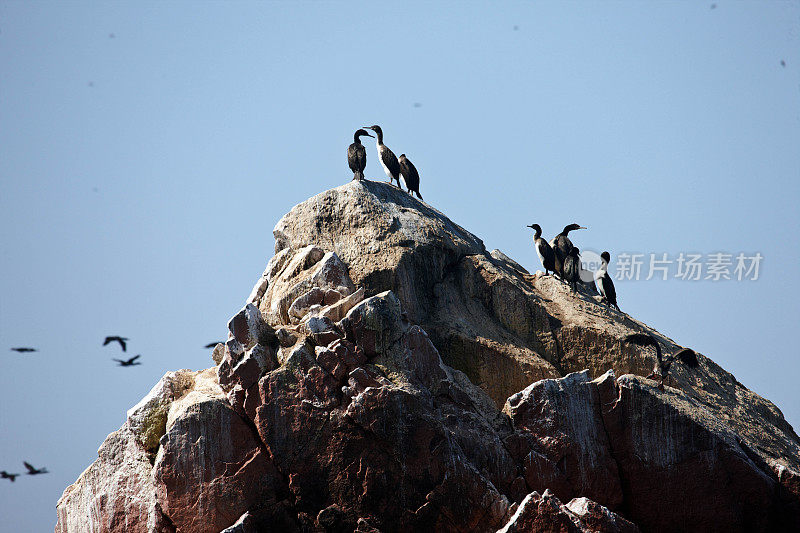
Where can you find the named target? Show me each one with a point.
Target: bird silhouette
(687, 356)
(32, 471)
(543, 250)
(6, 475)
(410, 175)
(129, 362)
(120, 340)
(605, 285)
(562, 246)
(211, 345)
(24, 349)
(357, 155)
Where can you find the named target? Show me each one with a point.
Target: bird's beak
(368, 135)
(582, 228)
(529, 226)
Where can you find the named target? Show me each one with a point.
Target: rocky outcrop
(545, 513)
(387, 373)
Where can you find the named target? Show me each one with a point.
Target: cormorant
(357, 155)
(604, 283)
(24, 349)
(120, 340)
(543, 250)
(129, 362)
(561, 246)
(410, 174)
(6, 475)
(388, 160)
(33, 471)
(661, 369)
(572, 268)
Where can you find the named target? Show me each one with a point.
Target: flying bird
(24, 349)
(543, 250)
(388, 160)
(120, 340)
(129, 362)
(6, 475)
(357, 155)
(410, 175)
(604, 282)
(32, 471)
(211, 345)
(561, 247)
(783, 63)
(687, 356)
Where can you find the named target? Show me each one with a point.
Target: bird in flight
(32, 471)
(24, 349)
(211, 345)
(6, 475)
(120, 340)
(129, 362)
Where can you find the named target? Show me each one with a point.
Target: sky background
(148, 149)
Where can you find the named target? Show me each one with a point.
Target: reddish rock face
(210, 468)
(654, 456)
(382, 450)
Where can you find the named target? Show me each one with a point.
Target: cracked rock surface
(387, 373)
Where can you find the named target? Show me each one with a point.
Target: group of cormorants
(563, 258)
(32, 471)
(394, 168)
(559, 256)
(108, 340)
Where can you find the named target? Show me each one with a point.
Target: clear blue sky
(141, 174)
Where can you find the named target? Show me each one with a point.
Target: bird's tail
(688, 357)
(358, 175)
(418, 195)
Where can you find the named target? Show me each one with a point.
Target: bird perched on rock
(32, 471)
(561, 247)
(687, 356)
(604, 282)
(388, 160)
(357, 155)
(410, 175)
(128, 362)
(24, 349)
(543, 250)
(6, 475)
(572, 268)
(120, 340)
